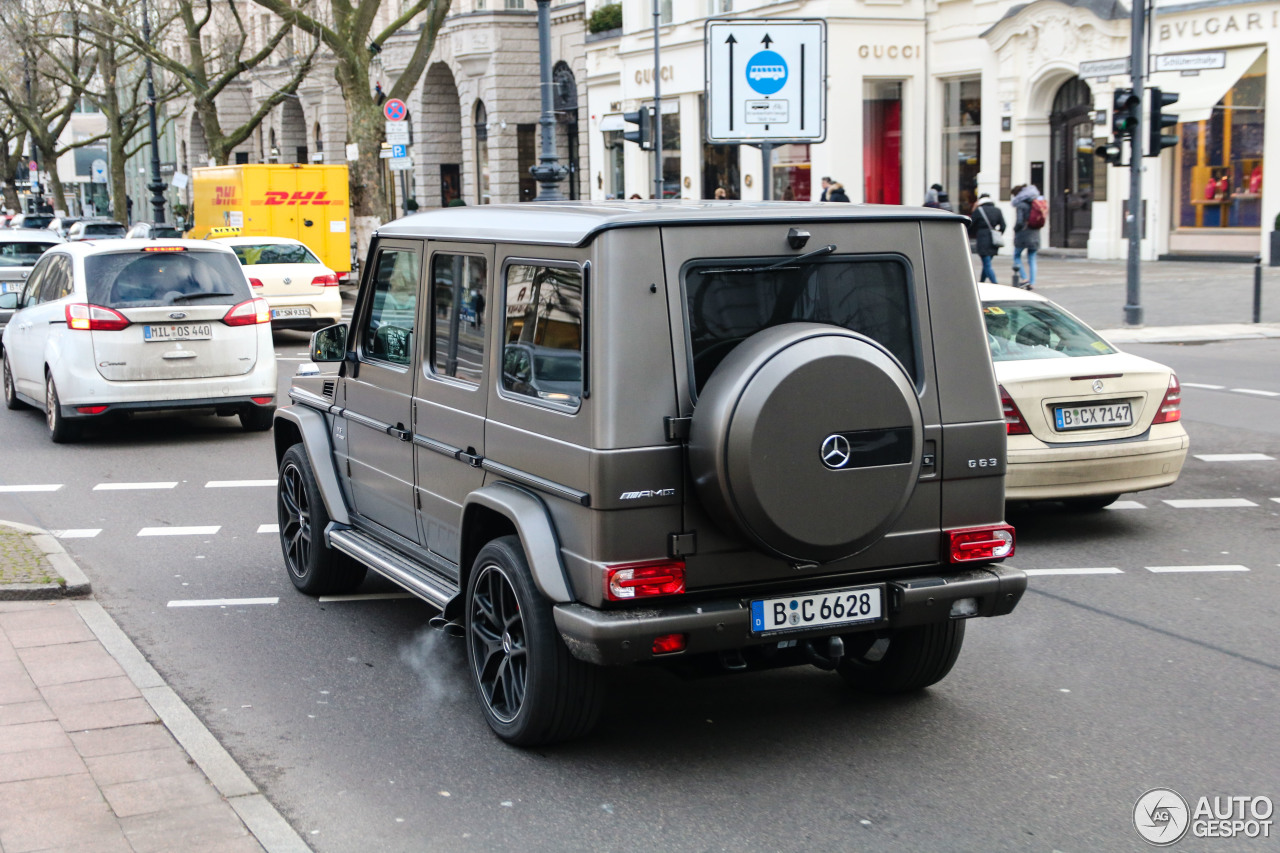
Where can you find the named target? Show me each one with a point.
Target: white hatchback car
(139, 325)
(1085, 422)
(302, 291)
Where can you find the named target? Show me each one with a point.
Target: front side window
(458, 284)
(388, 332)
(728, 301)
(1021, 331)
(542, 339)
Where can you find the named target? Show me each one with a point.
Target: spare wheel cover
(807, 440)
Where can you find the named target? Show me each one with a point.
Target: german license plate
(177, 332)
(818, 610)
(1092, 417)
(285, 313)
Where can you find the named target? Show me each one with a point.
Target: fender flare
(315, 440)
(537, 534)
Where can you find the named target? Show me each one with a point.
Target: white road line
(372, 596)
(1127, 505)
(1210, 503)
(1206, 387)
(1109, 570)
(1180, 569)
(50, 487)
(236, 484)
(1277, 500)
(77, 533)
(128, 487)
(290, 358)
(179, 531)
(223, 602)
(1256, 392)
(268, 528)
(1234, 457)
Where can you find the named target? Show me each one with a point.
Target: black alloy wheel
(11, 400)
(902, 660)
(531, 689)
(314, 567)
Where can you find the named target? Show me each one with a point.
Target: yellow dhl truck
(305, 202)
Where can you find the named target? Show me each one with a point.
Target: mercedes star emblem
(1097, 386)
(835, 451)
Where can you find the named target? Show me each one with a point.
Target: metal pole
(404, 192)
(549, 173)
(657, 105)
(766, 160)
(38, 196)
(1257, 289)
(156, 186)
(1133, 290)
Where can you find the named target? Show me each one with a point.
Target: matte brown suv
(716, 436)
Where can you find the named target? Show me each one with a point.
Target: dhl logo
(300, 197)
(225, 196)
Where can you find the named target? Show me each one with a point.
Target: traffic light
(1112, 153)
(643, 135)
(1158, 120)
(1126, 112)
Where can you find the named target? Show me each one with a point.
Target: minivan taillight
(1171, 405)
(1014, 423)
(327, 280)
(248, 313)
(973, 544)
(643, 580)
(94, 318)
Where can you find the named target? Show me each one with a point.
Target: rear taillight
(973, 544)
(643, 580)
(1171, 405)
(329, 280)
(94, 318)
(248, 313)
(91, 410)
(669, 644)
(1014, 423)
(255, 282)
(263, 401)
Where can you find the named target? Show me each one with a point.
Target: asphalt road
(357, 721)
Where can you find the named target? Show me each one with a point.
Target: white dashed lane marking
(223, 602)
(1109, 570)
(1234, 457)
(128, 487)
(180, 531)
(47, 487)
(1209, 503)
(1127, 505)
(1205, 387)
(236, 484)
(1161, 570)
(1256, 392)
(268, 528)
(77, 533)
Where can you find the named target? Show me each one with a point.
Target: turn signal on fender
(974, 544)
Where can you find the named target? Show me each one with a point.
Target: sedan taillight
(1171, 405)
(94, 318)
(1014, 423)
(326, 280)
(248, 313)
(255, 282)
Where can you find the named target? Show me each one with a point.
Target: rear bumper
(221, 405)
(611, 637)
(1047, 473)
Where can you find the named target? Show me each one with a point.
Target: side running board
(418, 579)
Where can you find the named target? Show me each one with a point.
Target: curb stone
(73, 584)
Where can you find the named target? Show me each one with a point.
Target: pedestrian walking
(988, 233)
(931, 197)
(833, 191)
(1026, 233)
(944, 201)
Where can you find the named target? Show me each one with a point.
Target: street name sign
(1191, 61)
(1105, 67)
(766, 80)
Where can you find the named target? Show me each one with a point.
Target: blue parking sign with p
(399, 150)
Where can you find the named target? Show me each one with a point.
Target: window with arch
(319, 140)
(482, 153)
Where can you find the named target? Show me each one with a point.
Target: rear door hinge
(682, 544)
(677, 428)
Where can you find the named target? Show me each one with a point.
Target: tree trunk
(116, 174)
(49, 159)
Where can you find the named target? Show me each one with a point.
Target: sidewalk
(97, 753)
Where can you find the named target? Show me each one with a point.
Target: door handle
(400, 432)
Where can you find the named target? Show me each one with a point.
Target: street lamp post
(156, 186)
(549, 172)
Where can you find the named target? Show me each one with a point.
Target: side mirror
(329, 344)
(8, 301)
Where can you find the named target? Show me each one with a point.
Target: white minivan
(127, 326)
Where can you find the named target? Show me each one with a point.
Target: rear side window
(274, 254)
(388, 334)
(542, 340)
(141, 279)
(458, 286)
(21, 254)
(728, 301)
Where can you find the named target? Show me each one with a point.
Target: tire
(11, 400)
(1092, 503)
(532, 691)
(257, 419)
(313, 566)
(916, 658)
(61, 431)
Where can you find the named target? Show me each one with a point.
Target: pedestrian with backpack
(1031, 209)
(988, 234)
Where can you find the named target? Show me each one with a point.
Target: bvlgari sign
(1220, 24)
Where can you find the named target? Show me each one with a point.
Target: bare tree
(13, 142)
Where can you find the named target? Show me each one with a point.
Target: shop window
(1220, 160)
(526, 159)
(962, 138)
(671, 155)
(482, 154)
(614, 172)
(882, 142)
(791, 174)
(720, 170)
